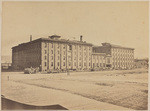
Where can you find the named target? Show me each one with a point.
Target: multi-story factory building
(121, 57)
(54, 53)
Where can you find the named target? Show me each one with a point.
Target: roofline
(115, 47)
(27, 43)
(66, 41)
(55, 40)
(122, 47)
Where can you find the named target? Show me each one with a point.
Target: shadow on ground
(8, 104)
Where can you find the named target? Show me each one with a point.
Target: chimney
(81, 38)
(30, 38)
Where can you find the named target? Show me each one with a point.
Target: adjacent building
(121, 57)
(5, 66)
(141, 63)
(54, 53)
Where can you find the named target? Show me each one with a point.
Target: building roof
(56, 40)
(66, 41)
(113, 46)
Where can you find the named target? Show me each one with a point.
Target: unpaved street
(80, 90)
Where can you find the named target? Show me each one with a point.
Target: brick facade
(54, 53)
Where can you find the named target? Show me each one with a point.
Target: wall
(122, 58)
(65, 56)
(25, 56)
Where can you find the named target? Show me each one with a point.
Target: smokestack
(30, 38)
(81, 38)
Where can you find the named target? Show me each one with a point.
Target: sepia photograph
(74, 55)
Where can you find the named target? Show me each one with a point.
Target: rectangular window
(64, 63)
(45, 45)
(104, 64)
(45, 51)
(52, 57)
(52, 45)
(51, 63)
(57, 63)
(52, 51)
(64, 58)
(80, 64)
(74, 64)
(100, 65)
(70, 47)
(69, 64)
(45, 63)
(45, 57)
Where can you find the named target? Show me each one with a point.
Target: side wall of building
(25, 56)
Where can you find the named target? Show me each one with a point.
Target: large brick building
(54, 53)
(121, 57)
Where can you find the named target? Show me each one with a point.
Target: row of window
(97, 64)
(122, 55)
(85, 64)
(122, 50)
(69, 57)
(58, 52)
(117, 66)
(121, 63)
(70, 46)
(123, 58)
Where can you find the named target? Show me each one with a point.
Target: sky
(123, 23)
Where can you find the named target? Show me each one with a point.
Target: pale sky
(120, 23)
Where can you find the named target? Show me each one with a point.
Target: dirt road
(80, 90)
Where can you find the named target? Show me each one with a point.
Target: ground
(97, 90)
